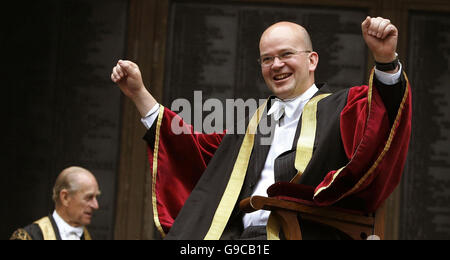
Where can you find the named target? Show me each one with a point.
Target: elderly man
(346, 148)
(75, 196)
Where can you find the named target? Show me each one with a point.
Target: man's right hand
(127, 76)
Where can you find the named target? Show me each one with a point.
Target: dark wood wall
(62, 109)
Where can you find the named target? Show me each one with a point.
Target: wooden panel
(133, 166)
(146, 47)
(62, 108)
(213, 48)
(425, 210)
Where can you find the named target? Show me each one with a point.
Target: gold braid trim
(234, 186)
(86, 234)
(20, 234)
(155, 172)
(305, 147)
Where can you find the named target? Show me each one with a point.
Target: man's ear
(313, 61)
(64, 197)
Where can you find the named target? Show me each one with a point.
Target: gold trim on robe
(155, 171)
(48, 232)
(20, 234)
(234, 186)
(387, 145)
(47, 228)
(86, 234)
(305, 145)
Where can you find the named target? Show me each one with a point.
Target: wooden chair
(356, 225)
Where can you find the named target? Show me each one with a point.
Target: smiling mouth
(282, 76)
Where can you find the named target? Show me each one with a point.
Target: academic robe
(360, 145)
(36, 230)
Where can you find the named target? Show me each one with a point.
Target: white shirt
(66, 231)
(283, 137)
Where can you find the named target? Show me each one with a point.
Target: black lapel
(55, 227)
(323, 89)
(259, 154)
(284, 167)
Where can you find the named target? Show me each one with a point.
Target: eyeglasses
(267, 61)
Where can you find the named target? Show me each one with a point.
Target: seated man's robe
(42, 229)
(360, 146)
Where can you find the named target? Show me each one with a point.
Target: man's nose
(94, 204)
(277, 63)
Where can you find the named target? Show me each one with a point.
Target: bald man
(75, 196)
(343, 149)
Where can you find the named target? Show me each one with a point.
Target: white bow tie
(73, 236)
(278, 108)
(74, 233)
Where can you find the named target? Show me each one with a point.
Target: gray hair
(67, 180)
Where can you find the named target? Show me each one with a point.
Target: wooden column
(146, 46)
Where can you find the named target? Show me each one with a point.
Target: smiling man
(75, 196)
(344, 149)
(287, 60)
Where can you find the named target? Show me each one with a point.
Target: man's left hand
(381, 37)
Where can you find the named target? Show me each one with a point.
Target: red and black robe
(359, 153)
